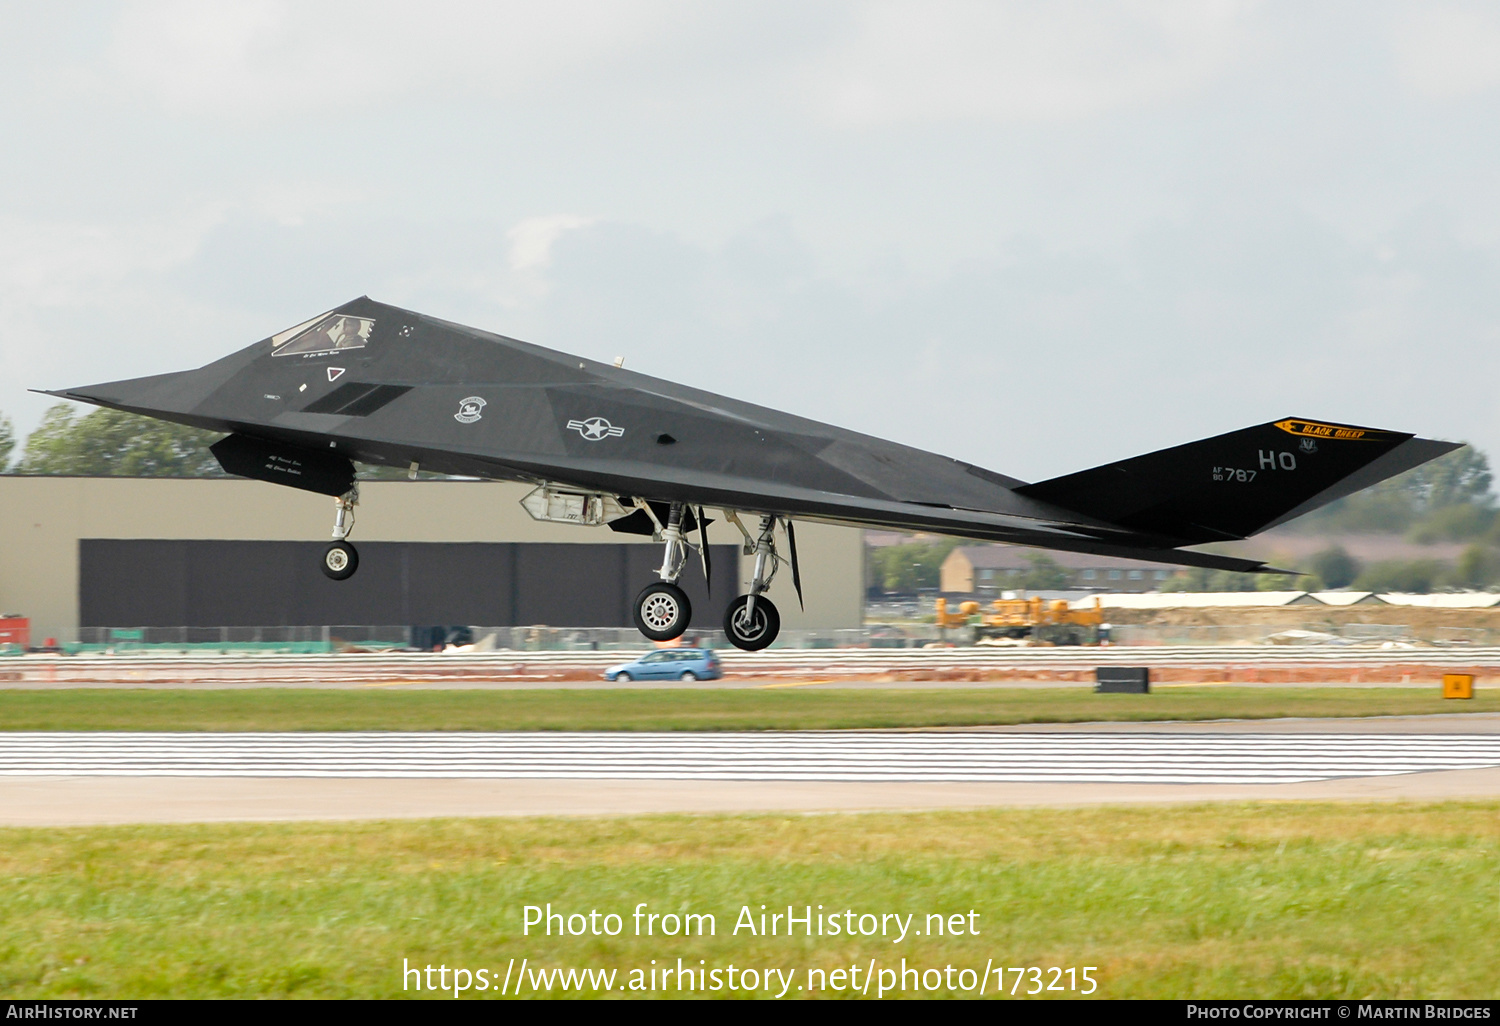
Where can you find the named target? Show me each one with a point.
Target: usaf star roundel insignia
(469, 410)
(595, 429)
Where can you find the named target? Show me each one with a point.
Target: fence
(1241, 664)
(358, 638)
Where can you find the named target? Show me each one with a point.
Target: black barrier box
(1123, 680)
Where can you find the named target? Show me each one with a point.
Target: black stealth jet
(608, 446)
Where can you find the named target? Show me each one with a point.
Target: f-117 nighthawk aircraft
(606, 446)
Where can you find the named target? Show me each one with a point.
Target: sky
(1036, 236)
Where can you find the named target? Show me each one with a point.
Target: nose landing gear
(340, 559)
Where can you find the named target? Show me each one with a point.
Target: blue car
(669, 664)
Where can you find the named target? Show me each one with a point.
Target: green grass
(699, 709)
(1263, 901)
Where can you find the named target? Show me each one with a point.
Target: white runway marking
(1142, 758)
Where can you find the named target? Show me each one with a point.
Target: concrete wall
(42, 520)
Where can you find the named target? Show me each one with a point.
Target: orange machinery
(1055, 621)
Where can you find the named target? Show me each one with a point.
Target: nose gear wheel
(340, 560)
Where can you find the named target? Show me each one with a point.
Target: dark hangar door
(174, 583)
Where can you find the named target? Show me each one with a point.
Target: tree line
(109, 443)
(1446, 500)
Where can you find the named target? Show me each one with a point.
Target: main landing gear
(751, 622)
(340, 559)
(662, 610)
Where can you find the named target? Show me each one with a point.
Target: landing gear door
(312, 470)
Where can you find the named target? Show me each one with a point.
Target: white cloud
(524, 282)
(268, 57)
(1447, 51)
(531, 240)
(1019, 61)
(894, 61)
(293, 202)
(85, 301)
(52, 264)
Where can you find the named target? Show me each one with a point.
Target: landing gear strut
(662, 610)
(751, 621)
(340, 559)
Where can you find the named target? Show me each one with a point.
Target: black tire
(662, 611)
(340, 560)
(754, 636)
(688, 675)
(627, 678)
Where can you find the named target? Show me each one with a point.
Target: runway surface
(1141, 757)
(744, 684)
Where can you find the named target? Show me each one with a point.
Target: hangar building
(165, 552)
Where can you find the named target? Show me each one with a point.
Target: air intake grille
(356, 399)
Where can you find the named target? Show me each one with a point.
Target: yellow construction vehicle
(1041, 621)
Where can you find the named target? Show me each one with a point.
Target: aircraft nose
(178, 392)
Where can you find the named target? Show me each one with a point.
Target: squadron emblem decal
(1333, 432)
(469, 410)
(595, 429)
